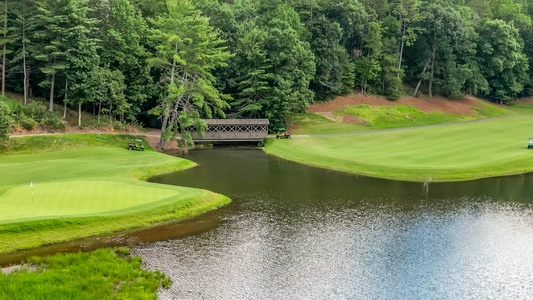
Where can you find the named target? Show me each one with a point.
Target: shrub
(119, 126)
(54, 122)
(15, 108)
(27, 123)
(35, 110)
(5, 121)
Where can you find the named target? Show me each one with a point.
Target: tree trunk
(402, 43)
(164, 127)
(51, 105)
(25, 68)
(311, 13)
(65, 100)
(167, 106)
(79, 115)
(423, 72)
(432, 65)
(431, 77)
(4, 53)
(99, 110)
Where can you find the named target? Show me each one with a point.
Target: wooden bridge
(233, 130)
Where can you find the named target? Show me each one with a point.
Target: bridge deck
(233, 130)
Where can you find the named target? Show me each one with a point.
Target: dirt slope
(453, 106)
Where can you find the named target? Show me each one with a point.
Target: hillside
(35, 118)
(426, 104)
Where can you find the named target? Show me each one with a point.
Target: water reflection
(295, 232)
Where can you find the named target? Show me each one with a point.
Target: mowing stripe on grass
(74, 198)
(448, 153)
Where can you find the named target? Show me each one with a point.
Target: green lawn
(454, 152)
(60, 195)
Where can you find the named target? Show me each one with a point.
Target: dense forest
(170, 63)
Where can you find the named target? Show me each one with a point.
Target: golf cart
(530, 143)
(137, 145)
(283, 134)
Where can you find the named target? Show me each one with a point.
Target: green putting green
(453, 152)
(75, 198)
(61, 195)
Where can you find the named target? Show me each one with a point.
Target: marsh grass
(101, 274)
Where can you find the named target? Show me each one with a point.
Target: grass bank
(102, 274)
(454, 152)
(66, 187)
(368, 117)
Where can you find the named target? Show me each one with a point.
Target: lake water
(297, 232)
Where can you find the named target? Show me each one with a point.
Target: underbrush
(102, 274)
(35, 117)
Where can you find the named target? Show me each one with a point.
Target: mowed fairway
(438, 153)
(61, 195)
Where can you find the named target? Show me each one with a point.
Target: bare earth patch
(435, 104)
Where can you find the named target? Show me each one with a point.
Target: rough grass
(387, 117)
(92, 187)
(102, 274)
(313, 123)
(448, 153)
(522, 108)
(487, 110)
(381, 117)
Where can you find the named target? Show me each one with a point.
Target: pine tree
(23, 25)
(4, 41)
(60, 24)
(188, 50)
(121, 30)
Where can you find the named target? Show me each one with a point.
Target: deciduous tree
(501, 59)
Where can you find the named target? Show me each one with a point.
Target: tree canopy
(179, 61)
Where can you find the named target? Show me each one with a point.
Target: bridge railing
(233, 130)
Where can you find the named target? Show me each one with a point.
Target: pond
(298, 232)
